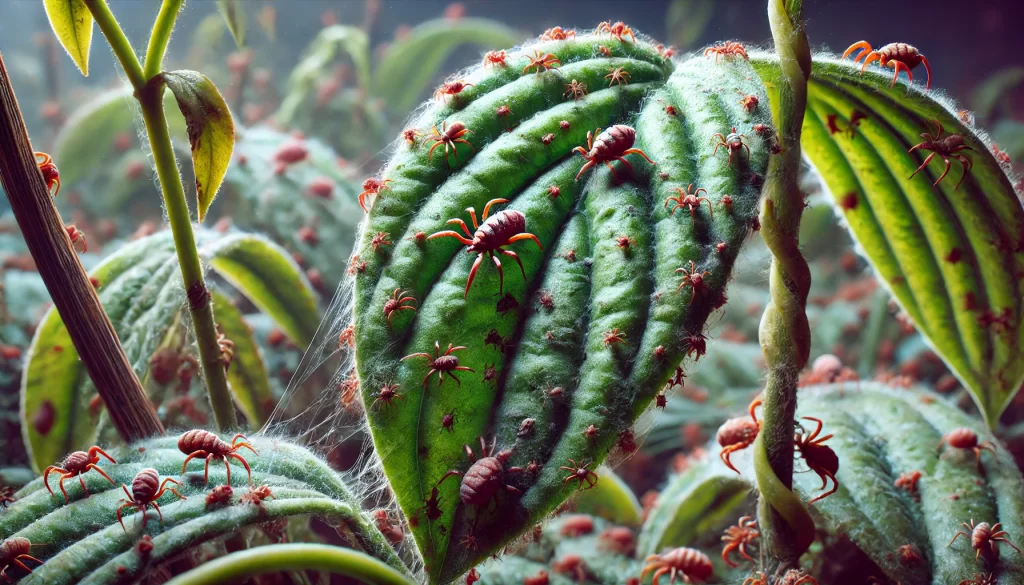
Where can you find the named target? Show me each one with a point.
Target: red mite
(485, 477)
(895, 55)
(12, 552)
(612, 144)
(503, 228)
(200, 443)
(77, 463)
(146, 490)
(49, 170)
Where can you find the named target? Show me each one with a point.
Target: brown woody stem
(66, 280)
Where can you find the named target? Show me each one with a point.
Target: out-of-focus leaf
(611, 499)
(986, 97)
(246, 374)
(686, 21)
(211, 131)
(267, 18)
(1009, 135)
(234, 16)
(410, 64)
(86, 141)
(141, 291)
(72, 23)
(329, 44)
(271, 280)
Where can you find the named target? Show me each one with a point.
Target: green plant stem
(149, 91)
(160, 36)
(118, 41)
(293, 557)
(199, 300)
(784, 332)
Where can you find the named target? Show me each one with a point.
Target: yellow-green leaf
(234, 16)
(211, 131)
(72, 23)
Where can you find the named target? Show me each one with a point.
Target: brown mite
(77, 463)
(612, 144)
(146, 490)
(200, 443)
(485, 477)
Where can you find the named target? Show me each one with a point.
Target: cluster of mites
(146, 487)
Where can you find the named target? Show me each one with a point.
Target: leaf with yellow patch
(72, 23)
(211, 131)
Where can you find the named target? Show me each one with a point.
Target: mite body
(77, 463)
(485, 477)
(200, 443)
(14, 551)
(146, 490)
(612, 144)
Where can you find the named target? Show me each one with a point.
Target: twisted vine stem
(784, 333)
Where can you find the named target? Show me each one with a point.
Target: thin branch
(66, 280)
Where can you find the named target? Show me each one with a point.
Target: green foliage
(234, 16)
(412, 62)
(140, 289)
(948, 255)
(595, 284)
(314, 195)
(355, 120)
(72, 24)
(87, 141)
(880, 434)
(611, 499)
(211, 131)
(85, 544)
(602, 558)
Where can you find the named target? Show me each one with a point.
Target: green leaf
(331, 42)
(141, 291)
(234, 17)
(85, 143)
(880, 433)
(595, 284)
(996, 90)
(611, 499)
(315, 194)
(695, 502)
(951, 257)
(413, 62)
(602, 559)
(246, 374)
(270, 279)
(211, 131)
(72, 23)
(94, 549)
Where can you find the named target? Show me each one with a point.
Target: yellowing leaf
(211, 131)
(234, 16)
(72, 23)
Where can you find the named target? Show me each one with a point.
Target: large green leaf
(82, 541)
(413, 62)
(86, 142)
(72, 23)
(880, 434)
(141, 291)
(594, 284)
(211, 131)
(953, 258)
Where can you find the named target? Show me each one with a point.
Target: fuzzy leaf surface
(583, 286)
(952, 257)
